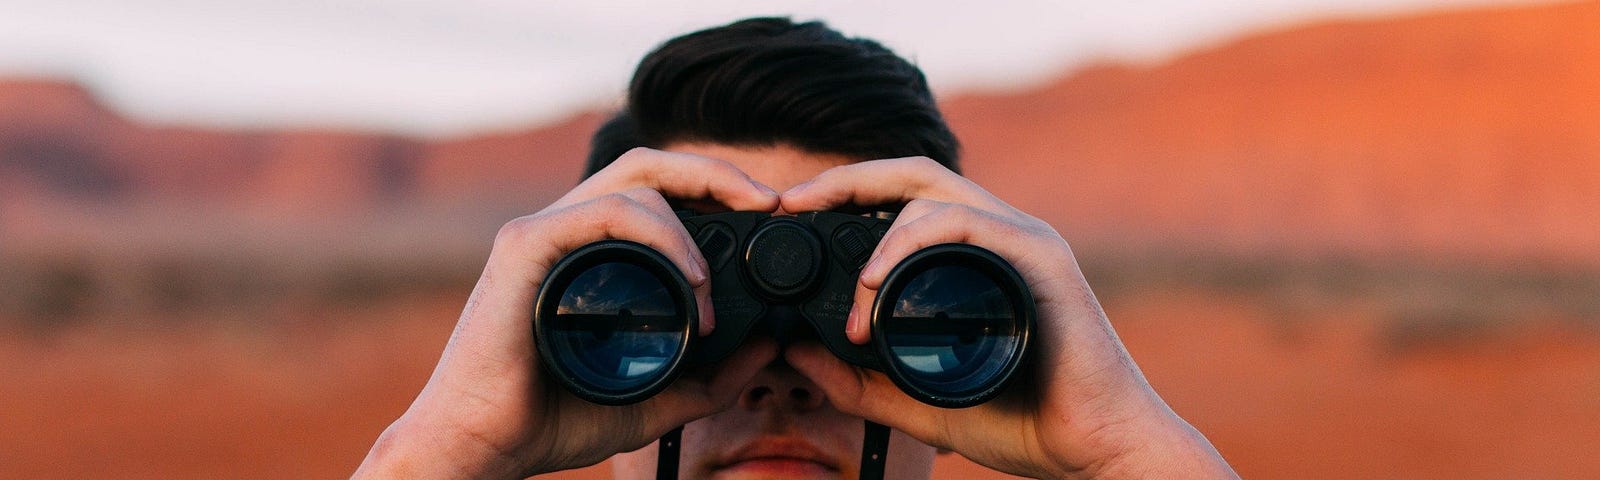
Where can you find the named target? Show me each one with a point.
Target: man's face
(783, 426)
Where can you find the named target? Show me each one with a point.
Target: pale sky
(446, 67)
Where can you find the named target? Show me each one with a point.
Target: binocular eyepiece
(615, 322)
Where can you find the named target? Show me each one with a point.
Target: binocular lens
(617, 327)
(954, 333)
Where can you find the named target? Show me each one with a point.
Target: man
(727, 118)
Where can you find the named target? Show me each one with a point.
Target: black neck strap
(874, 452)
(667, 455)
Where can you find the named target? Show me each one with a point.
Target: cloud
(611, 287)
(957, 292)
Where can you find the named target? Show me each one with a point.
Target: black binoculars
(615, 321)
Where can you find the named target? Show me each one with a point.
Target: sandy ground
(1329, 396)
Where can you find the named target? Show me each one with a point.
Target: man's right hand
(489, 411)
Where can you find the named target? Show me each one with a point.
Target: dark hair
(770, 81)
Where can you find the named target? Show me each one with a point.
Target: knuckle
(906, 238)
(922, 166)
(610, 210)
(716, 165)
(635, 155)
(637, 159)
(615, 202)
(929, 173)
(921, 205)
(924, 162)
(969, 213)
(951, 216)
(645, 196)
(517, 229)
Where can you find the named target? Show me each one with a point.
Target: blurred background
(1343, 239)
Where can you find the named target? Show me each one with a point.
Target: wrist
(414, 448)
(1158, 446)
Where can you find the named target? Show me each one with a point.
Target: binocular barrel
(615, 322)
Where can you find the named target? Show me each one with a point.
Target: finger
(678, 176)
(885, 182)
(526, 248)
(856, 322)
(617, 216)
(653, 201)
(918, 208)
(941, 223)
(659, 230)
(950, 224)
(867, 394)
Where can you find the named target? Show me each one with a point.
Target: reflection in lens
(953, 330)
(616, 327)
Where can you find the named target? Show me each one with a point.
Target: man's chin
(778, 468)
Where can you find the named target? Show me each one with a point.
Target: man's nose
(779, 386)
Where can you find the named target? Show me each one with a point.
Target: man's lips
(779, 455)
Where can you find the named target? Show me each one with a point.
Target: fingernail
(871, 269)
(707, 321)
(852, 325)
(697, 273)
(765, 188)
